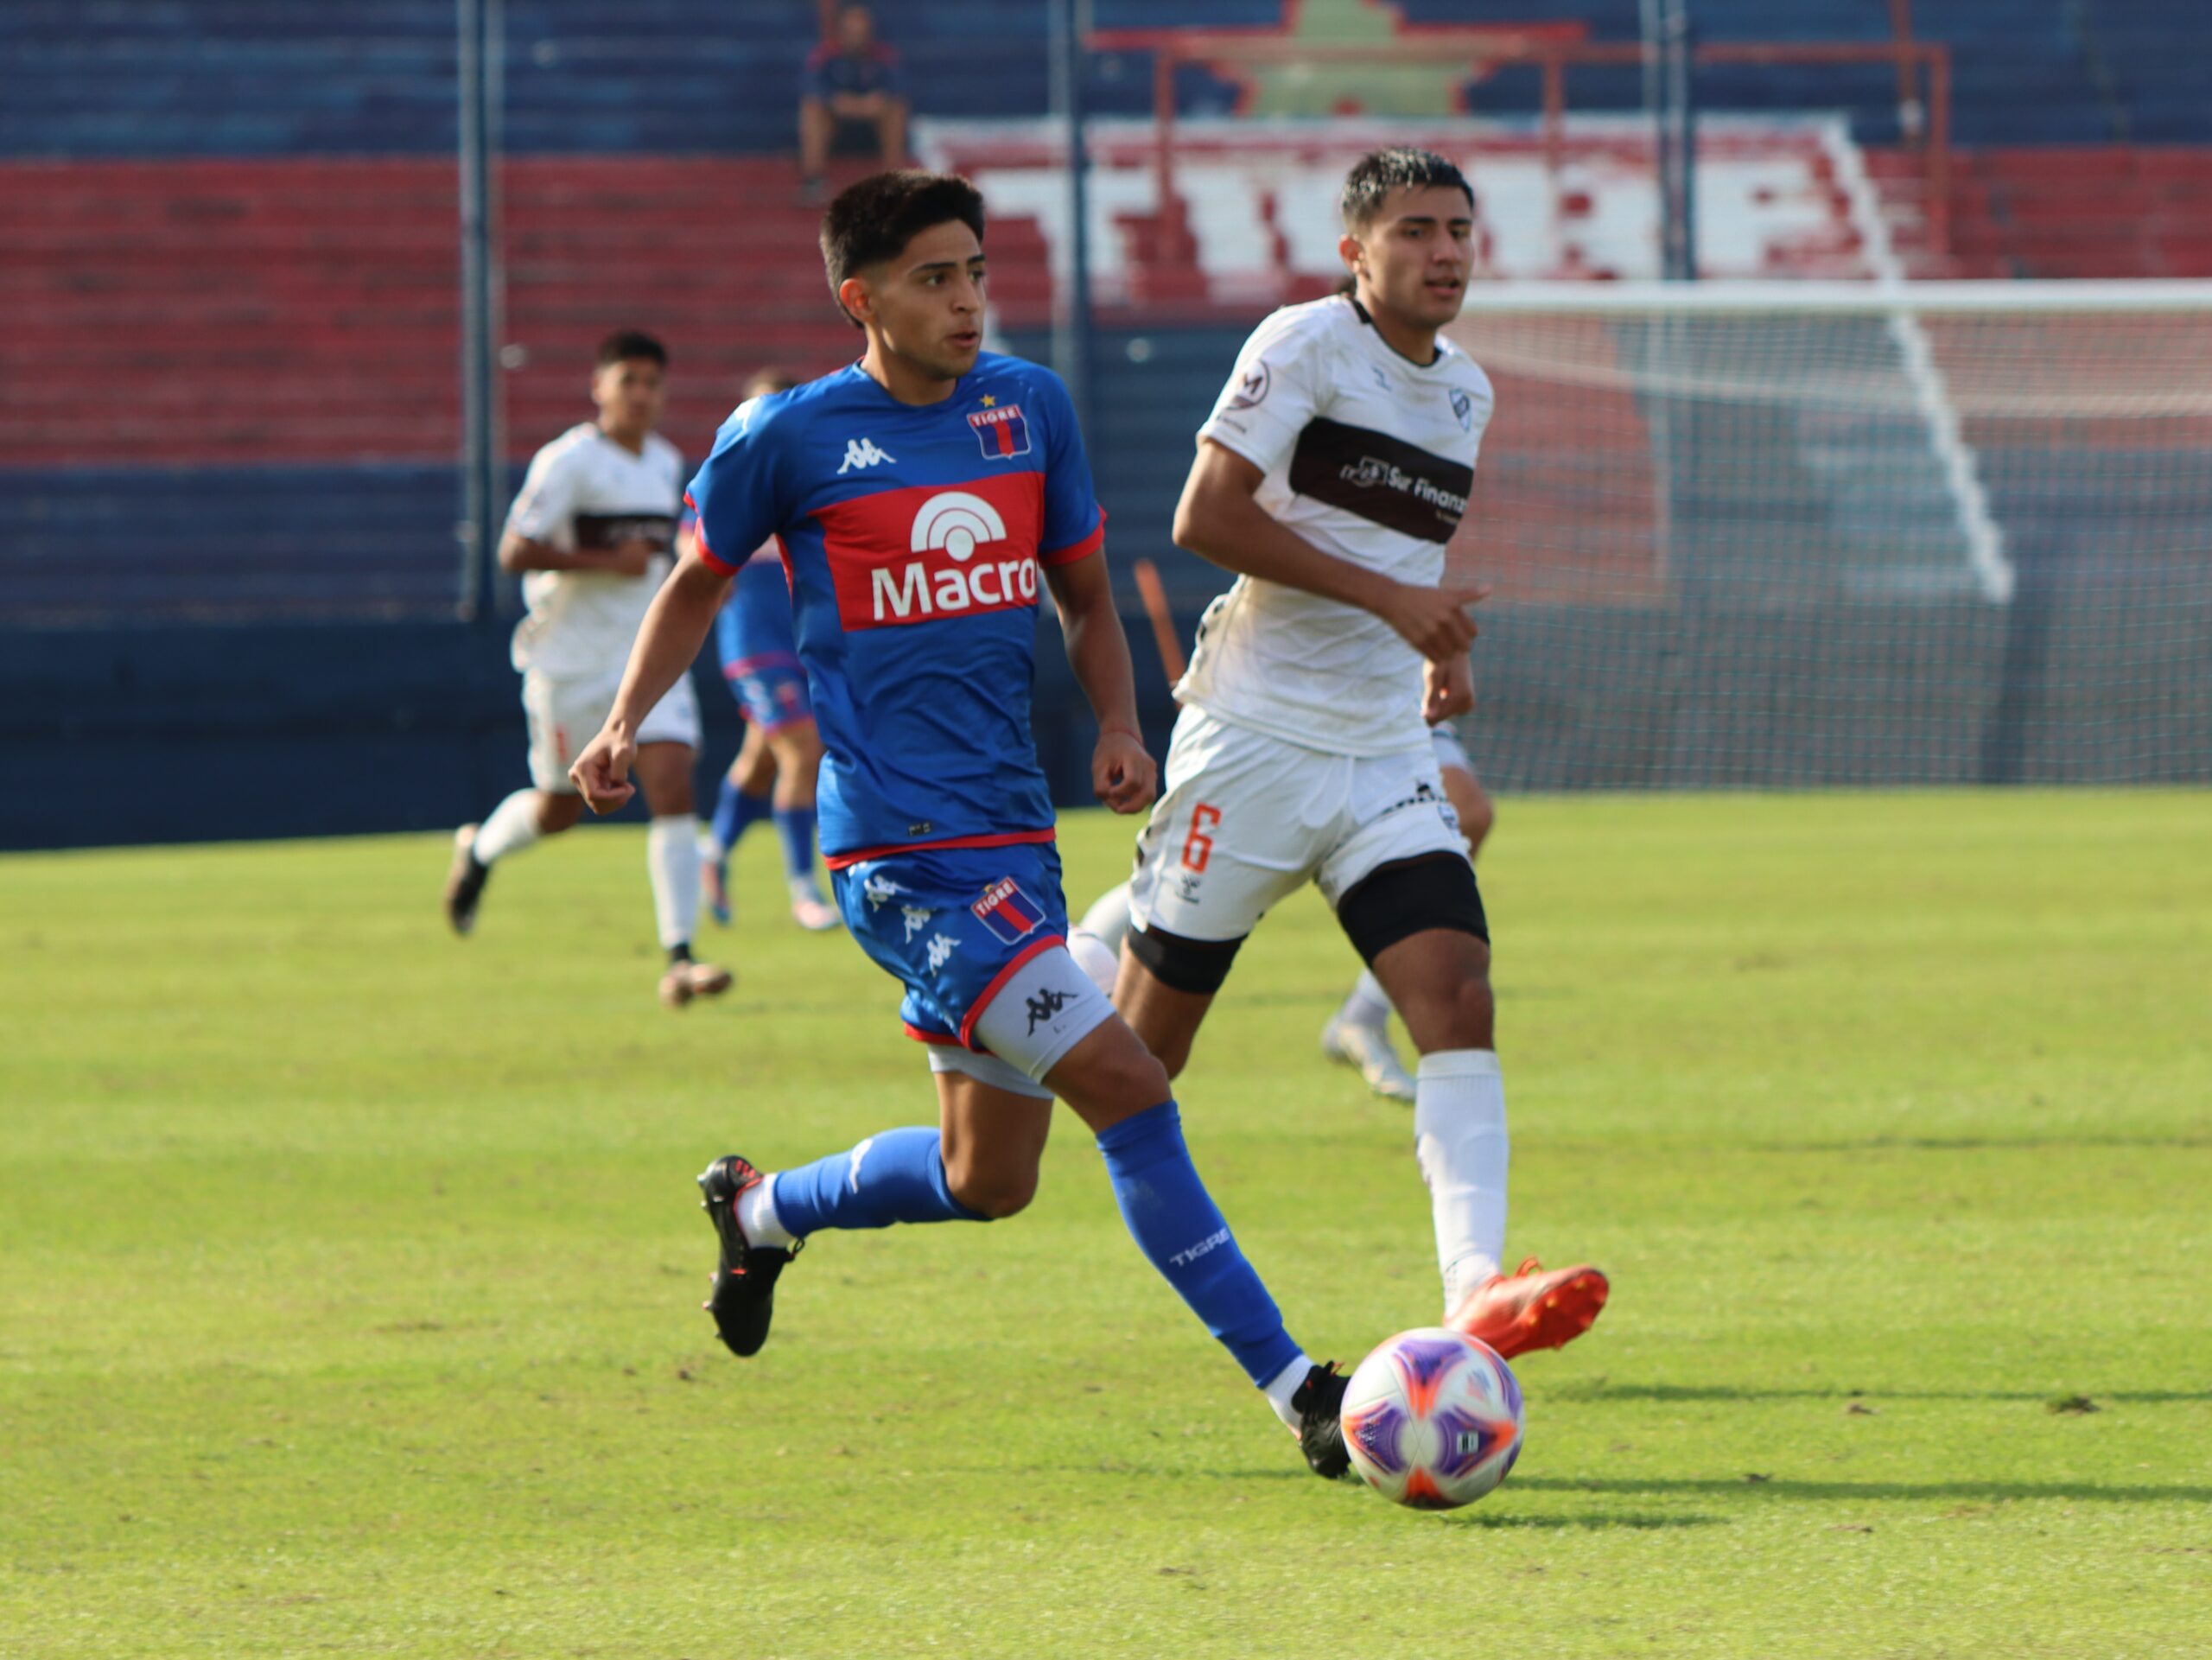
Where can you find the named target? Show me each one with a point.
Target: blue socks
(796, 826)
(735, 813)
(898, 1176)
(1181, 1232)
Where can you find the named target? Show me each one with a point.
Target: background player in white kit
(1331, 473)
(591, 535)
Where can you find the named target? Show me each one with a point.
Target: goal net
(1803, 534)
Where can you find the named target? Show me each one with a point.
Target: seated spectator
(855, 102)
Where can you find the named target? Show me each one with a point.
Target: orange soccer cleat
(1531, 1309)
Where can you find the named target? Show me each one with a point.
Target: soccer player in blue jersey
(774, 776)
(924, 499)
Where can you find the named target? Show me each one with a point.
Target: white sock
(1284, 1384)
(512, 827)
(1460, 1139)
(756, 1214)
(1368, 1005)
(673, 861)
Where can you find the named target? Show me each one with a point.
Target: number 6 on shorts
(1197, 847)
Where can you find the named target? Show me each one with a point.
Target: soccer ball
(1432, 1418)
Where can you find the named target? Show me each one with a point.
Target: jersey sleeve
(1075, 525)
(1281, 381)
(738, 493)
(545, 508)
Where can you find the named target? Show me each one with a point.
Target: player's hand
(601, 773)
(634, 557)
(1434, 620)
(1123, 772)
(1447, 688)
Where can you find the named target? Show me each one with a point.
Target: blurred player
(773, 774)
(1330, 476)
(1358, 1033)
(924, 497)
(590, 535)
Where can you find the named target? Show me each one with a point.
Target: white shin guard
(1460, 1142)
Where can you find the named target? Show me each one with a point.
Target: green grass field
(349, 1274)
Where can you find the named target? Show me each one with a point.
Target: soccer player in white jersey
(1330, 476)
(591, 535)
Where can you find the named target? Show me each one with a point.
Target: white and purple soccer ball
(1432, 1418)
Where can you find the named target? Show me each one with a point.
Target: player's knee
(994, 1192)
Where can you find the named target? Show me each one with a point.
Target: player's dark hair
(626, 343)
(1376, 173)
(874, 220)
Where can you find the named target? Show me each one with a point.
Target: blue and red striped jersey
(913, 539)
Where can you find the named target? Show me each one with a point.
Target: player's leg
(817, 125)
(1406, 896)
(1122, 1092)
(1358, 1034)
(556, 712)
(668, 739)
(1471, 804)
(744, 799)
(798, 749)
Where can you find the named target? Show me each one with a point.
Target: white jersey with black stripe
(1369, 456)
(585, 490)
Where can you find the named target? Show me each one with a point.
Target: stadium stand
(227, 231)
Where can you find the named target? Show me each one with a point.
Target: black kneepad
(1194, 965)
(1395, 901)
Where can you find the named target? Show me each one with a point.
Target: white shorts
(567, 713)
(1248, 819)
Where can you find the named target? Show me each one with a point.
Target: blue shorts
(952, 925)
(753, 636)
(773, 694)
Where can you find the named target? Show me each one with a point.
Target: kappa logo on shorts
(1008, 911)
(1046, 1006)
(1001, 431)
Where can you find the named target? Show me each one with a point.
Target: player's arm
(1219, 520)
(674, 629)
(1121, 769)
(517, 554)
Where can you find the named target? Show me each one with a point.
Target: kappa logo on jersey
(862, 453)
(919, 555)
(1002, 432)
(1252, 386)
(1008, 911)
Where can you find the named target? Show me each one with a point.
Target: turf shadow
(1640, 1523)
(1670, 1392)
(1772, 1487)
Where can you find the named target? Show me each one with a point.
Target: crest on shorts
(1008, 911)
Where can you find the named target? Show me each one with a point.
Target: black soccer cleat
(1318, 1403)
(465, 880)
(744, 1296)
